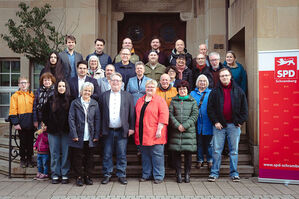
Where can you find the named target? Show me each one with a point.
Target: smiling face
(230, 59)
(172, 73)
(127, 43)
(202, 84)
(180, 46)
(86, 92)
(183, 91)
(165, 81)
(203, 49)
(93, 63)
(201, 59)
(24, 84)
(180, 63)
(150, 90)
(70, 44)
(53, 59)
(47, 82)
(125, 55)
(109, 70)
(214, 60)
(153, 58)
(99, 47)
(115, 83)
(139, 69)
(82, 70)
(61, 87)
(225, 77)
(155, 44)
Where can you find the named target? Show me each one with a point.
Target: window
(9, 76)
(36, 69)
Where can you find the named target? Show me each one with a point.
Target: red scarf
(200, 67)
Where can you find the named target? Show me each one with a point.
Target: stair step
(132, 170)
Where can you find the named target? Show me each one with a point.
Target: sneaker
(37, 175)
(211, 178)
(236, 179)
(43, 177)
(158, 181)
(64, 180)
(55, 180)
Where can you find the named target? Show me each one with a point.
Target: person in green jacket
(183, 113)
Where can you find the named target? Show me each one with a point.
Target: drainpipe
(226, 23)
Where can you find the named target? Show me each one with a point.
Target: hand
(34, 148)
(76, 139)
(35, 124)
(181, 128)
(218, 126)
(95, 140)
(239, 125)
(158, 134)
(17, 127)
(131, 132)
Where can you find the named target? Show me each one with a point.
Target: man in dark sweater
(227, 110)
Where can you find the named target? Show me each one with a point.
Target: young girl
(42, 147)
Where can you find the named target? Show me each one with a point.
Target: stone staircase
(134, 168)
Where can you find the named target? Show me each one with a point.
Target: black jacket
(56, 121)
(205, 71)
(77, 123)
(75, 90)
(172, 58)
(127, 112)
(239, 105)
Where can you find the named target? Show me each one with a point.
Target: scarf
(180, 73)
(44, 95)
(200, 67)
(184, 97)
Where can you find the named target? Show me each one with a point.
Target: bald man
(180, 49)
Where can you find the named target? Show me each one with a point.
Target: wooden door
(141, 27)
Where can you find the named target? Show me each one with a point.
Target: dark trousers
(82, 157)
(187, 160)
(26, 144)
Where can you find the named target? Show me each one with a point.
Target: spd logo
(285, 67)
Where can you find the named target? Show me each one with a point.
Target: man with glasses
(118, 123)
(200, 67)
(216, 65)
(127, 43)
(227, 110)
(125, 67)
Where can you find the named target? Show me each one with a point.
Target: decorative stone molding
(117, 16)
(186, 16)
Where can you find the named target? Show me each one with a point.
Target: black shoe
(23, 164)
(64, 180)
(199, 165)
(79, 182)
(105, 180)
(211, 178)
(187, 178)
(30, 163)
(123, 180)
(55, 181)
(88, 181)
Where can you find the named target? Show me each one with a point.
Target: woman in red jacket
(152, 116)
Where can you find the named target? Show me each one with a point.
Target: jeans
(115, 140)
(82, 157)
(153, 161)
(233, 137)
(60, 163)
(42, 163)
(204, 146)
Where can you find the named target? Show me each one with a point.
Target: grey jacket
(66, 63)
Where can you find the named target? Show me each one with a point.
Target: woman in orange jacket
(152, 116)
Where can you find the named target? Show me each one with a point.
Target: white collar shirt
(114, 110)
(80, 83)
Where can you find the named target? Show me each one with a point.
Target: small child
(42, 147)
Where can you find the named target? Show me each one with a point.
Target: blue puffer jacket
(204, 124)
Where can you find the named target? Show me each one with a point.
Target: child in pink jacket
(42, 147)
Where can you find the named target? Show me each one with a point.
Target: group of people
(186, 105)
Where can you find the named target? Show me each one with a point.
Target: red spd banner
(279, 117)
(286, 68)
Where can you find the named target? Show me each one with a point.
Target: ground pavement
(169, 189)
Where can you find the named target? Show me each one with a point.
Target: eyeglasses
(23, 82)
(125, 54)
(214, 59)
(224, 76)
(183, 89)
(115, 80)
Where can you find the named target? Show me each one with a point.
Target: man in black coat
(200, 67)
(77, 81)
(118, 122)
(227, 110)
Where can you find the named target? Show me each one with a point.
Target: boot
(179, 176)
(187, 175)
